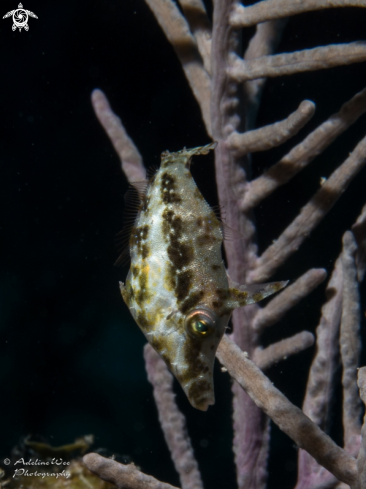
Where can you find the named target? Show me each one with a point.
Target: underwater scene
(183, 244)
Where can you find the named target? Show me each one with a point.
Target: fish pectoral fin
(242, 295)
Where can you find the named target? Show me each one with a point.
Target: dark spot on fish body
(128, 294)
(192, 350)
(156, 343)
(177, 226)
(171, 276)
(222, 293)
(217, 304)
(144, 231)
(205, 240)
(142, 294)
(215, 268)
(168, 190)
(138, 240)
(184, 281)
(144, 251)
(192, 300)
(142, 321)
(180, 254)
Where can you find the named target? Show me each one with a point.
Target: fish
(177, 288)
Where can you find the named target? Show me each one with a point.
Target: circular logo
(20, 17)
(6, 461)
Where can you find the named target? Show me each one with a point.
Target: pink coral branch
(361, 459)
(288, 298)
(273, 135)
(172, 421)
(266, 357)
(302, 154)
(290, 419)
(131, 160)
(310, 215)
(350, 346)
(178, 33)
(319, 388)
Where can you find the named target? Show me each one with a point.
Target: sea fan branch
(297, 62)
(290, 419)
(131, 160)
(288, 298)
(310, 215)
(273, 135)
(275, 9)
(350, 346)
(172, 421)
(267, 357)
(302, 154)
(177, 31)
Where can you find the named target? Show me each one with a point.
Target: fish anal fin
(242, 295)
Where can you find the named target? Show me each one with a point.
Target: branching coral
(228, 89)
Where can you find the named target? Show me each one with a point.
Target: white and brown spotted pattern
(177, 288)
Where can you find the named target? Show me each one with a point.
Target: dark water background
(70, 354)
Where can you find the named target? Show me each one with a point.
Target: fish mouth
(200, 392)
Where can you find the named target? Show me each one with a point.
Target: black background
(70, 354)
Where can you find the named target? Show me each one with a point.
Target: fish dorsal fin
(134, 198)
(151, 172)
(228, 233)
(242, 295)
(141, 188)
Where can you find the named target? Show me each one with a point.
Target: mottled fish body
(177, 288)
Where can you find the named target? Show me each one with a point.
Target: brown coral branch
(172, 421)
(131, 160)
(275, 9)
(288, 298)
(310, 215)
(289, 418)
(350, 346)
(266, 357)
(273, 135)
(123, 476)
(176, 29)
(299, 61)
(302, 154)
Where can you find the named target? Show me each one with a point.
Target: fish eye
(200, 323)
